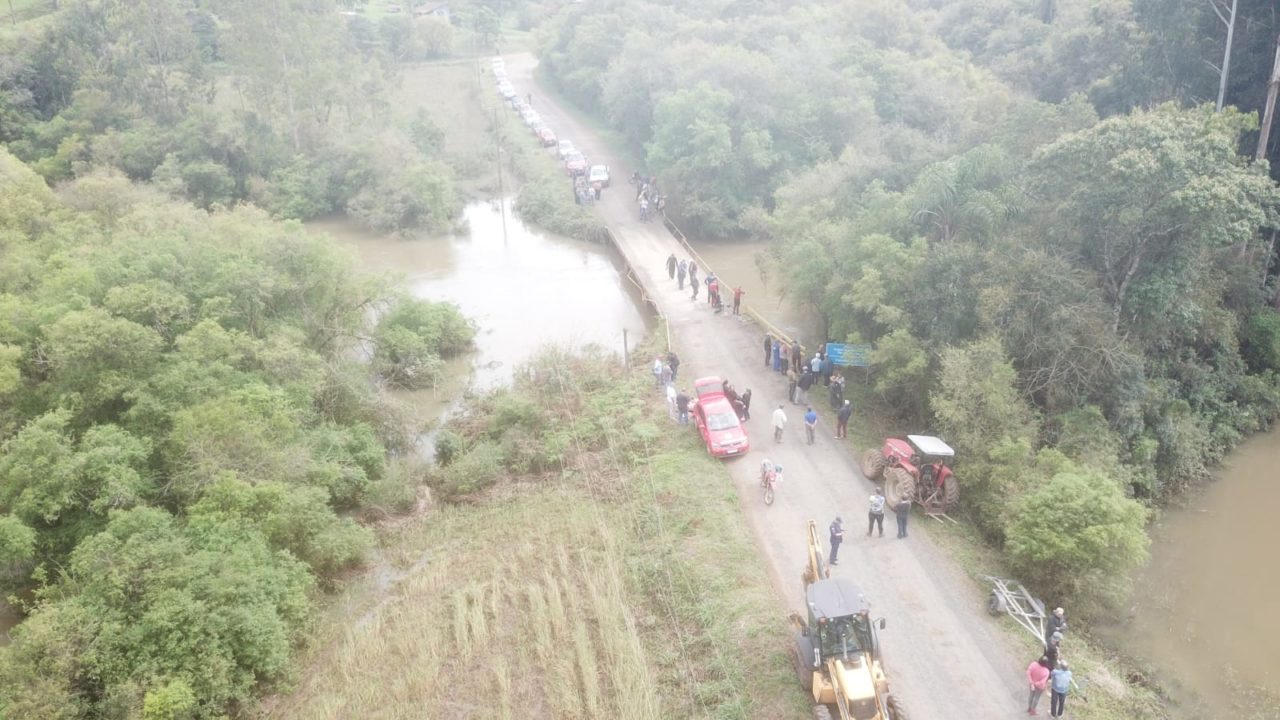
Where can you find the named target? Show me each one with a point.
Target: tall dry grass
(615, 587)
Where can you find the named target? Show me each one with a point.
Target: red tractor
(917, 468)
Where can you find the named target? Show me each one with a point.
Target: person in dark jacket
(1057, 623)
(673, 361)
(842, 420)
(768, 349)
(903, 512)
(682, 407)
(1051, 649)
(671, 266)
(745, 399)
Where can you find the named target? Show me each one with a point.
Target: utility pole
(502, 198)
(1269, 108)
(1226, 54)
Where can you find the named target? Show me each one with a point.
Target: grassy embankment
(586, 559)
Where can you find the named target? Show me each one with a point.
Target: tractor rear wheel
(950, 491)
(899, 485)
(872, 464)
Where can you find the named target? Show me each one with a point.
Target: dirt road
(944, 656)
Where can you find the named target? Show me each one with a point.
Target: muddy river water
(1206, 610)
(525, 291)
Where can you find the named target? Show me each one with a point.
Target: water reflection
(525, 291)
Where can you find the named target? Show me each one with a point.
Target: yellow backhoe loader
(837, 651)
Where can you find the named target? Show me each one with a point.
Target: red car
(575, 164)
(716, 420)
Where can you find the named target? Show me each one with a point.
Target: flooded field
(1204, 611)
(525, 290)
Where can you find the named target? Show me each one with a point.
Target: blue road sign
(849, 355)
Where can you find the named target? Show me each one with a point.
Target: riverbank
(610, 577)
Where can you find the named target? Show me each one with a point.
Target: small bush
(411, 340)
(397, 490)
(1078, 537)
(448, 445)
(476, 469)
(1261, 339)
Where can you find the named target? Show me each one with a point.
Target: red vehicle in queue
(716, 420)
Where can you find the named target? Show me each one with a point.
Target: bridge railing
(751, 312)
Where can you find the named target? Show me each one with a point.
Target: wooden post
(626, 363)
(1269, 108)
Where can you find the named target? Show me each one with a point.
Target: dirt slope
(942, 652)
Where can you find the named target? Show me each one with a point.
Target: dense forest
(283, 104)
(183, 419)
(1061, 251)
(189, 429)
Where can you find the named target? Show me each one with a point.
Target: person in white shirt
(779, 422)
(875, 513)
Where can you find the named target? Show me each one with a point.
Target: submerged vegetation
(1062, 260)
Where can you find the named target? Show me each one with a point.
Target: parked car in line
(575, 164)
(506, 90)
(530, 117)
(565, 148)
(598, 174)
(547, 137)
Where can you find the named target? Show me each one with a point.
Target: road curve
(944, 656)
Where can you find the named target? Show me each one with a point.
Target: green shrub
(175, 700)
(413, 337)
(293, 518)
(146, 601)
(397, 490)
(1078, 538)
(448, 445)
(1261, 339)
(476, 469)
(421, 195)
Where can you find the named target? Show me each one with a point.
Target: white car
(530, 117)
(564, 148)
(506, 90)
(598, 174)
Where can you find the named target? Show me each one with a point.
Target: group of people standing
(875, 520)
(678, 270)
(1051, 671)
(647, 196)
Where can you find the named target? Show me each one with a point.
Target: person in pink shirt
(1038, 677)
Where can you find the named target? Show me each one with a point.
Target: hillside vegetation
(183, 420)
(1063, 260)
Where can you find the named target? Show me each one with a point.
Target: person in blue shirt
(1060, 686)
(810, 424)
